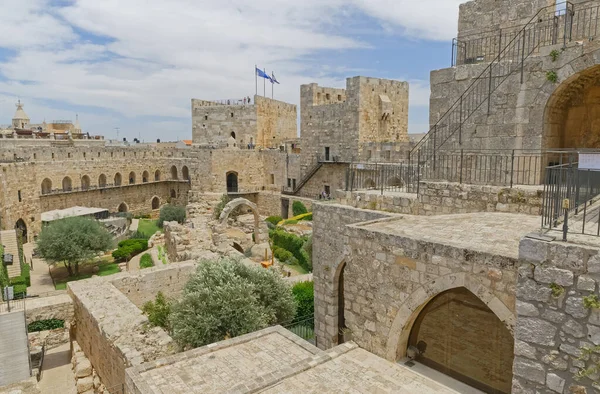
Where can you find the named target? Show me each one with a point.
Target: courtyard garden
(148, 227)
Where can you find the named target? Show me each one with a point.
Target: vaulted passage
(457, 334)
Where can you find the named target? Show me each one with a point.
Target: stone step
(8, 238)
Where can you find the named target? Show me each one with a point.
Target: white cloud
(153, 56)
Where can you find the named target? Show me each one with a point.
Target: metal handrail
(479, 91)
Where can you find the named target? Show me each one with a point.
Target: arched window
(21, 229)
(85, 182)
(173, 193)
(155, 203)
(145, 176)
(67, 184)
(157, 175)
(174, 172)
(232, 182)
(123, 207)
(233, 134)
(461, 336)
(118, 179)
(341, 305)
(185, 173)
(102, 180)
(46, 186)
(132, 178)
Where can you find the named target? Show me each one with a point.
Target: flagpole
(264, 85)
(272, 85)
(255, 81)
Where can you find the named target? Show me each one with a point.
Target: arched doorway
(572, 114)
(46, 186)
(235, 204)
(85, 182)
(67, 184)
(21, 229)
(155, 203)
(132, 178)
(459, 335)
(118, 179)
(232, 182)
(174, 172)
(185, 172)
(341, 318)
(145, 176)
(156, 175)
(173, 193)
(102, 180)
(123, 207)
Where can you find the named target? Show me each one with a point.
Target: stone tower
(20, 120)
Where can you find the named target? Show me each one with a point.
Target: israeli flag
(273, 79)
(262, 74)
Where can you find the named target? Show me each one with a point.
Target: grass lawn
(60, 275)
(297, 268)
(148, 227)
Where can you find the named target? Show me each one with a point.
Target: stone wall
(439, 198)
(45, 308)
(388, 278)
(330, 174)
(112, 331)
(145, 284)
(553, 325)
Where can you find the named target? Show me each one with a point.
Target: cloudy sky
(135, 64)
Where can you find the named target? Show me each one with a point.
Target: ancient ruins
(440, 265)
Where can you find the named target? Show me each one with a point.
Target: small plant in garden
(171, 213)
(158, 311)
(129, 248)
(557, 290)
(304, 294)
(43, 325)
(219, 208)
(552, 76)
(591, 301)
(554, 54)
(298, 208)
(146, 261)
(274, 220)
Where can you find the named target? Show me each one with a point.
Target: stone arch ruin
(238, 202)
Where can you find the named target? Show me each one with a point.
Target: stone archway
(21, 229)
(85, 182)
(232, 182)
(174, 172)
(67, 184)
(46, 186)
(155, 202)
(408, 312)
(238, 202)
(145, 176)
(123, 207)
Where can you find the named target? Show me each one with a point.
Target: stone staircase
(14, 348)
(8, 238)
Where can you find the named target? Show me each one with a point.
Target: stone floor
(489, 232)
(274, 360)
(57, 375)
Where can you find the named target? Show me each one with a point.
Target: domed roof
(20, 114)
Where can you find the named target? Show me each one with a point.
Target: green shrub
(129, 248)
(26, 274)
(274, 220)
(307, 247)
(20, 291)
(43, 325)
(4, 281)
(304, 295)
(290, 221)
(158, 311)
(298, 208)
(171, 213)
(139, 235)
(552, 76)
(292, 243)
(308, 217)
(17, 280)
(282, 254)
(146, 261)
(219, 208)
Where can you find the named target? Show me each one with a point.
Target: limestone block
(586, 283)
(573, 328)
(594, 334)
(85, 384)
(536, 331)
(532, 250)
(83, 368)
(555, 382)
(574, 307)
(554, 275)
(526, 309)
(525, 350)
(530, 370)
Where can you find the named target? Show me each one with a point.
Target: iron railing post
(460, 122)
(500, 44)
(461, 166)
(434, 145)
(512, 166)
(419, 171)
(489, 91)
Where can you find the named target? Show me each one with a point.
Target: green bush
(307, 247)
(171, 213)
(274, 220)
(219, 208)
(129, 248)
(304, 295)
(226, 298)
(292, 243)
(43, 325)
(146, 261)
(17, 280)
(282, 254)
(308, 217)
(298, 208)
(290, 221)
(26, 274)
(158, 311)
(139, 235)
(20, 291)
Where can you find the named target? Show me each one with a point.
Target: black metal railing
(304, 327)
(510, 59)
(571, 200)
(382, 177)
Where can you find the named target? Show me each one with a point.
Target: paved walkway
(134, 225)
(134, 264)
(57, 376)
(41, 281)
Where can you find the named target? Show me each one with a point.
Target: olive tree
(226, 298)
(73, 241)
